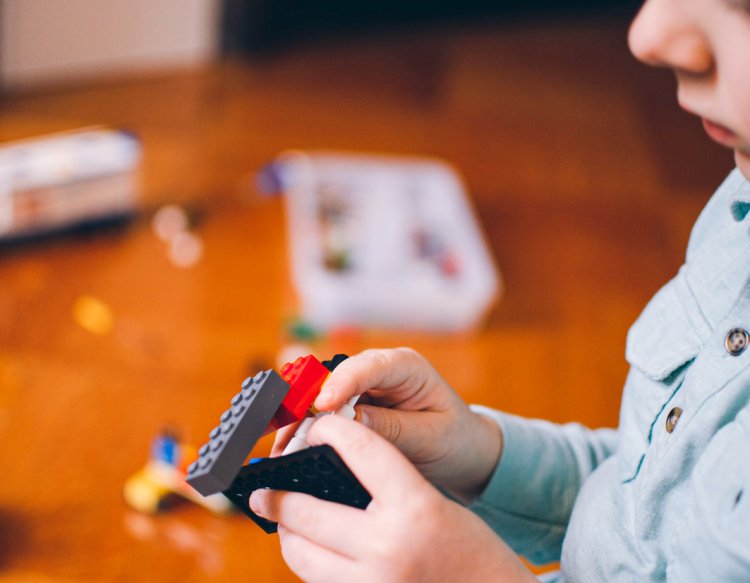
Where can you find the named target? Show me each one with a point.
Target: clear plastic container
(384, 242)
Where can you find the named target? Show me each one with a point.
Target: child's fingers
(384, 472)
(283, 436)
(334, 526)
(373, 369)
(409, 431)
(313, 563)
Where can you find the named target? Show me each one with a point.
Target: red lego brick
(305, 377)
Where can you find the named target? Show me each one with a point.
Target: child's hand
(415, 409)
(409, 532)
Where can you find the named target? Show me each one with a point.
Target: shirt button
(736, 341)
(672, 418)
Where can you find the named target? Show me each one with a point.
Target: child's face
(707, 44)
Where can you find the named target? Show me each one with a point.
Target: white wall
(56, 40)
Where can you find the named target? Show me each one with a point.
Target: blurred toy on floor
(172, 224)
(163, 477)
(68, 181)
(94, 315)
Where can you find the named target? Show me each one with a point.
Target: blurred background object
(582, 170)
(262, 25)
(44, 42)
(384, 242)
(154, 486)
(74, 180)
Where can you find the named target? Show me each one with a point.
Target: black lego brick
(334, 362)
(318, 471)
(241, 426)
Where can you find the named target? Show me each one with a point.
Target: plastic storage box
(63, 181)
(384, 242)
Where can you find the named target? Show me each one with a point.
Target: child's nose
(663, 34)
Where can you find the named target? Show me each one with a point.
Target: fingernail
(321, 401)
(255, 504)
(363, 417)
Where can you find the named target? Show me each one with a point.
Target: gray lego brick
(220, 460)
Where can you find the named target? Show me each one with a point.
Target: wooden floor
(586, 177)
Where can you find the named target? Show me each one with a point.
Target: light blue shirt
(666, 497)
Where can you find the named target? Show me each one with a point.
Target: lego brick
(241, 426)
(318, 471)
(335, 361)
(305, 376)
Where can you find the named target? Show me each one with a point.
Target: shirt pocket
(711, 541)
(661, 345)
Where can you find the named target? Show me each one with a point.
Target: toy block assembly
(335, 361)
(269, 401)
(241, 426)
(305, 376)
(318, 471)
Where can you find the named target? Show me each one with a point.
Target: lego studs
(239, 429)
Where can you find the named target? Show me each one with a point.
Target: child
(665, 498)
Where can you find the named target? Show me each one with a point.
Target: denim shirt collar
(682, 316)
(739, 202)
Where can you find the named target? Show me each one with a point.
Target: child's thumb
(384, 422)
(412, 432)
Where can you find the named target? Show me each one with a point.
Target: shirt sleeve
(530, 495)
